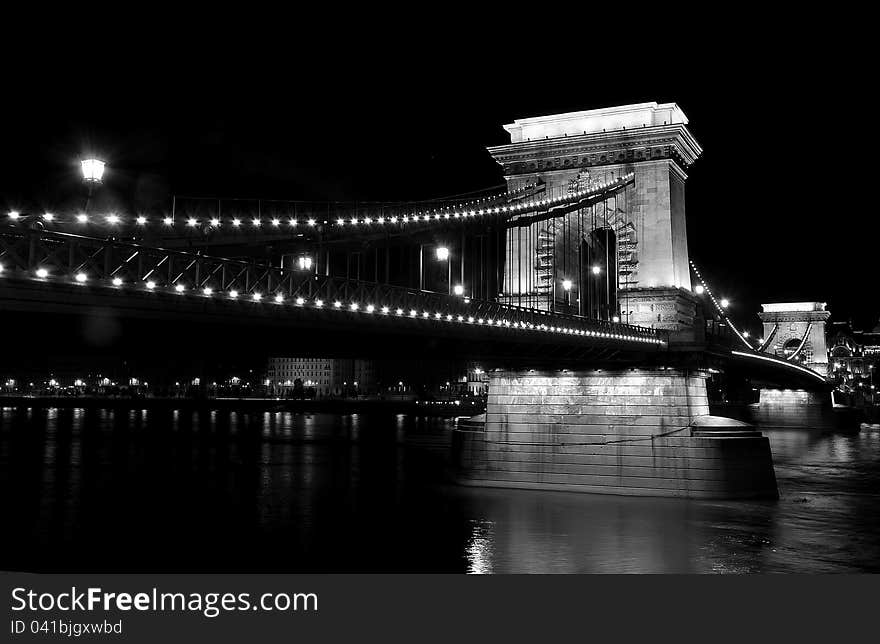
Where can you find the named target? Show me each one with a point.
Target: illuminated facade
(854, 356)
(327, 376)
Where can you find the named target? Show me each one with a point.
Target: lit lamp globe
(92, 170)
(566, 284)
(442, 253)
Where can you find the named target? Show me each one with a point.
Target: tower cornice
(599, 148)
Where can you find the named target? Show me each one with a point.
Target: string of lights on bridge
(368, 308)
(462, 211)
(720, 305)
(754, 353)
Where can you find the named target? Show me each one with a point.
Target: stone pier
(799, 409)
(625, 431)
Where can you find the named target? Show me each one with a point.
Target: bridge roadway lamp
(566, 286)
(442, 253)
(92, 170)
(93, 173)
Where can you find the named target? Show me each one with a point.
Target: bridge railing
(64, 257)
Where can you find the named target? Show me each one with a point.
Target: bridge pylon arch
(649, 269)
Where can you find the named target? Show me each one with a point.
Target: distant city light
(180, 288)
(724, 302)
(276, 222)
(14, 214)
(42, 272)
(207, 290)
(233, 294)
(458, 289)
(192, 221)
(92, 169)
(168, 221)
(616, 318)
(81, 218)
(141, 220)
(442, 253)
(151, 284)
(112, 219)
(48, 216)
(258, 297)
(566, 284)
(596, 270)
(117, 281)
(215, 222)
(699, 290)
(80, 277)
(236, 222)
(279, 298)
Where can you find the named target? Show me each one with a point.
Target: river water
(224, 491)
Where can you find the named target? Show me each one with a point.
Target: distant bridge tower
(796, 331)
(637, 240)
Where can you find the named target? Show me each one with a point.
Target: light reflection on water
(826, 520)
(281, 491)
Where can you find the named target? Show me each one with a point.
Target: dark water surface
(93, 489)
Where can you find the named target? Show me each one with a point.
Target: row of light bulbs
(463, 211)
(356, 307)
(720, 306)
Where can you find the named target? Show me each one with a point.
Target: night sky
(776, 207)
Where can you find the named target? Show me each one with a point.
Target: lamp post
(566, 286)
(442, 253)
(93, 172)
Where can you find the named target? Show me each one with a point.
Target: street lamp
(699, 289)
(93, 172)
(724, 302)
(566, 286)
(442, 253)
(458, 289)
(596, 270)
(305, 263)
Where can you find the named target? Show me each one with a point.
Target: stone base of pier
(633, 431)
(799, 409)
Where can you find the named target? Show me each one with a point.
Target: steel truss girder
(22, 252)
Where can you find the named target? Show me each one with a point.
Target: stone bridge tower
(650, 262)
(796, 330)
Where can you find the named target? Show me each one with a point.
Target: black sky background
(779, 207)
